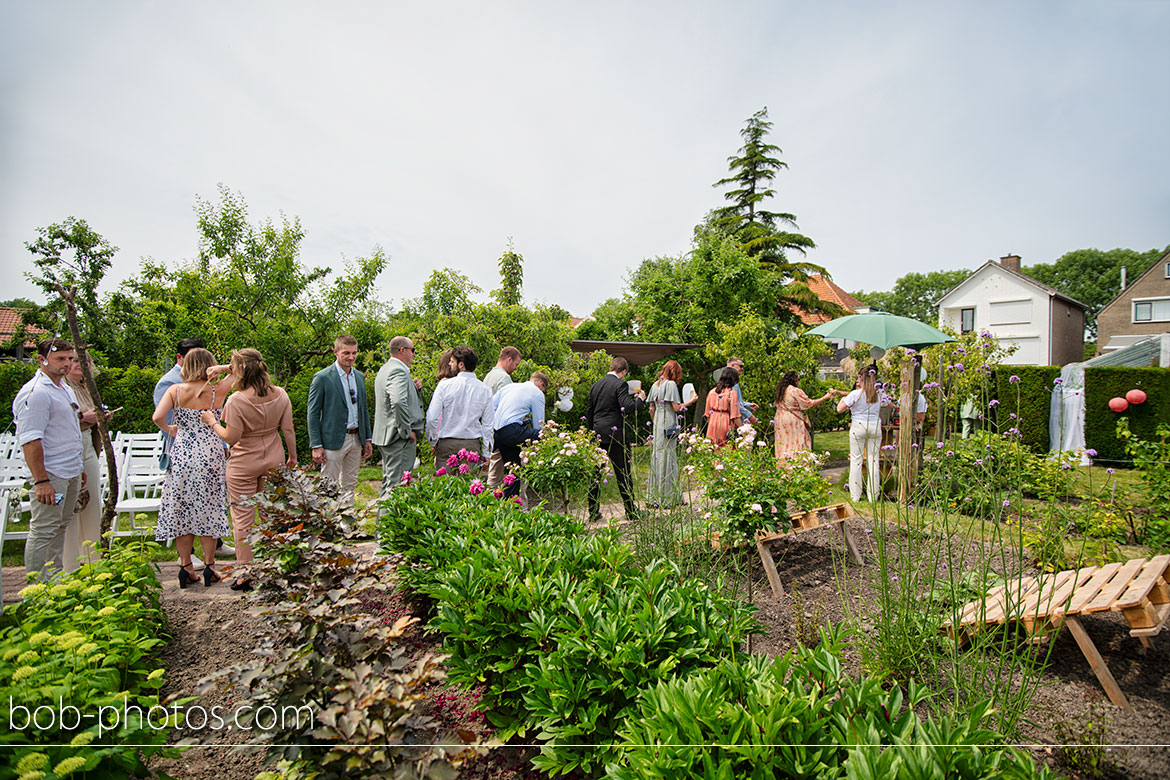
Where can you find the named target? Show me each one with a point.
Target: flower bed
(77, 671)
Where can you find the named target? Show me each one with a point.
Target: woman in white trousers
(865, 433)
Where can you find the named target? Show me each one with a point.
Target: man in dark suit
(609, 402)
(339, 421)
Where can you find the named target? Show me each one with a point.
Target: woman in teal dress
(665, 405)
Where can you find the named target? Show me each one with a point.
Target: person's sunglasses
(353, 395)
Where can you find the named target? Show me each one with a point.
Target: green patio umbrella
(882, 329)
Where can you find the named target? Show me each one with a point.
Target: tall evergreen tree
(763, 234)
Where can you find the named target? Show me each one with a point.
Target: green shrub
(86, 641)
(131, 388)
(1106, 382)
(801, 716)
(1029, 398)
(606, 646)
(13, 375)
(1152, 457)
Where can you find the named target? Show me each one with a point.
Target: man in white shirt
(339, 418)
(519, 418)
(461, 416)
(172, 377)
(48, 429)
(497, 379)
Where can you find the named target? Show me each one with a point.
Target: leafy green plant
(1084, 739)
(1152, 457)
(607, 645)
(801, 716)
(80, 647)
(563, 462)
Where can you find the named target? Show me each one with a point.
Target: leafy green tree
(614, 319)
(764, 234)
(72, 259)
(916, 295)
(18, 303)
(511, 266)
(1093, 276)
(445, 293)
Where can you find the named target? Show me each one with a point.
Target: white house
(1047, 326)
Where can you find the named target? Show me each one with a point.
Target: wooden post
(770, 568)
(907, 406)
(1104, 676)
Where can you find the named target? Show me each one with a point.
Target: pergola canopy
(637, 353)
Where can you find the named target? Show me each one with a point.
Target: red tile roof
(826, 290)
(10, 320)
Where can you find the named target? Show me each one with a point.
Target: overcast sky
(919, 135)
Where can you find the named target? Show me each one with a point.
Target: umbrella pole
(908, 406)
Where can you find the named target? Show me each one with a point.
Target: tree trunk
(103, 429)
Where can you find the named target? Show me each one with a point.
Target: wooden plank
(1142, 615)
(770, 568)
(973, 610)
(1039, 602)
(847, 540)
(1060, 599)
(1010, 600)
(1163, 613)
(1143, 582)
(1085, 593)
(1115, 587)
(1096, 663)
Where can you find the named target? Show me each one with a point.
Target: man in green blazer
(398, 414)
(339, 420)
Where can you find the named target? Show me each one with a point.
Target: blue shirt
(349, 382)
(516, 401)
(47, 411)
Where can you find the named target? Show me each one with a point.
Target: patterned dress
(662, 488)
(792, 425)
(195, 496)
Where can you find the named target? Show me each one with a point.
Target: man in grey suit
(172, 377)
(398, 413)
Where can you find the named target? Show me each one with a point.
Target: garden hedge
(1106, 382)
(13, 375)
(1030, 400)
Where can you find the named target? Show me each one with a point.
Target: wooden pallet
(1138, 589)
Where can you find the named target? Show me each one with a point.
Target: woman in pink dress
(793, 429)
(723, 408)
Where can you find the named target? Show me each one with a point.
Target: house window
(1166, 270)
(966, 320)
(1152, 310)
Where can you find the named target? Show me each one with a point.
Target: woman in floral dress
(723, 408)
(194, 497)
(793, 428)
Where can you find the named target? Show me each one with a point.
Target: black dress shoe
(210, 576)
(244, 585)
(186, 577)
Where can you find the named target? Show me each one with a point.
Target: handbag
(672, 432)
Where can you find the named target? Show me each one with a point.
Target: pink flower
(407, 478)
(452, 460)
(509, 479)
(477, 487)
(473, 457)
(498, 493)
(442, 470)
(464, 469)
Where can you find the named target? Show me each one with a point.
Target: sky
(919, 136)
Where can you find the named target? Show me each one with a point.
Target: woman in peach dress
(793, 428)
(723, 408)
(253, 419)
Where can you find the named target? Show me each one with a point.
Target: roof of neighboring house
(1052, 291)
(1129, 286)
(827, 291)
(10, 321)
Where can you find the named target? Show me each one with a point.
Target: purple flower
(1006, 503)
(1013, 379)
(938, 446)
(1012, 415)
(1108, 471)
(993, 403)
(979, 461)
(1092, 453)
(613, 427)
(1057, 381)
(950, 453)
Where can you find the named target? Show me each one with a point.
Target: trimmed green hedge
(1106, 382)
(132, 389)
(1030, 400)
(13, 375)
